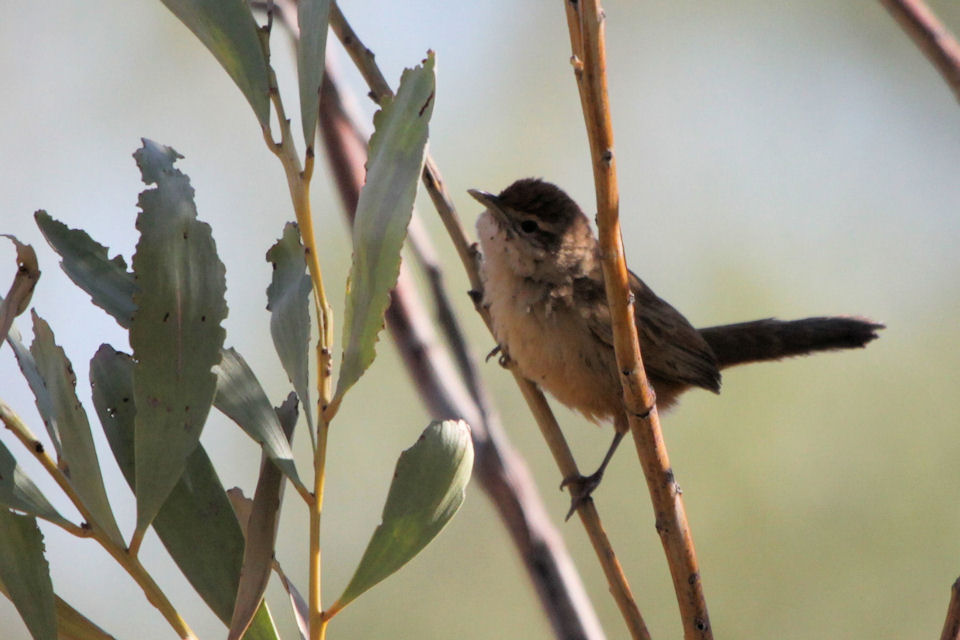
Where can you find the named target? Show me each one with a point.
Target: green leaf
(261, 531)
(18, 491)
(242, 399)
(21, 289)
(28, 367)
(288, 299)
(73, 625)
(262, 627)
(85, 261)
(228, 30)
(176, 334)
(196, 524)
(427, 489)
(312, 17)
(394, 163)
(78, 459)
(26, 575)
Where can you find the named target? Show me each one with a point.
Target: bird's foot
(581, 487)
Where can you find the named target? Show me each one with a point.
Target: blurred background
(775, 159)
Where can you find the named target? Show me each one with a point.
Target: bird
(543, 286)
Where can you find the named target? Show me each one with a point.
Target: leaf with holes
(176, 333)
(26, 575)
(196, 524)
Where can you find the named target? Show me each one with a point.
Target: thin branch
(124, 557)
(928, 33)
(951, 626)
(500, 470)
(364, 60)
(585, 21)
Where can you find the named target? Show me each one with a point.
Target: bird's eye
(529, 226)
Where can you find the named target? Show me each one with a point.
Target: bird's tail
(772, 339)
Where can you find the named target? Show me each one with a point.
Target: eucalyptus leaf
(312, 18)
(426, 491)
(44, 401)
(73, 625)
(288, 298)
(242, 399)
(86, 263)
(176, 333)
(262, 627)
(78, 459)
(26, 575)
(228, 30)
(18, 491)
(261, 531)
(21, 289)
(196, 524)
(395, 160)
(298, 605)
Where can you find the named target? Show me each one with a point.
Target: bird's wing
(673, 351)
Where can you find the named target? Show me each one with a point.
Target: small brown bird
(543, 285)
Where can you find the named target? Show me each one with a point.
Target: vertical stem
(585, 20)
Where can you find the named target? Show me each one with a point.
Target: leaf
(26, 575)
(301, 612)
(28, 367)
(312, 18)
(78, 459)
(85, 261)
(288, 299)
(21, 289)
(228, 30)
(261, 531)
(176, 334)
(386, 202)
(427, 489)
(262, 627)
(18, 491)
(73, 625)
(241, 398)
(196, 524)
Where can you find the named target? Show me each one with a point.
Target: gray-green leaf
(21, 289)
(196, 524)
(427, 489)
(261, 532)
(85, 261)
(176, 333)
(386, 202)
(241, 398)
(228, 30)
(26, 575)
(18, 491)
(312, 17)
(78, 460)
(288, 299)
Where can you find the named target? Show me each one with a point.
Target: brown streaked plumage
(543, 285)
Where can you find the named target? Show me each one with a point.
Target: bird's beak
(490, 201)
(485, 198)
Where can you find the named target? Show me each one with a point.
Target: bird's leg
(582, 486)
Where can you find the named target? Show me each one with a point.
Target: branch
(501, 471)
(951, 626)
(585, 21)
(928, 33)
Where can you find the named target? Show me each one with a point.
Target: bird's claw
(581, 487)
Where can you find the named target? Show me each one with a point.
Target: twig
(364, 60)
(951, 626)
(585, 21)
(499, 469)
(124, 558)
(928, 33)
